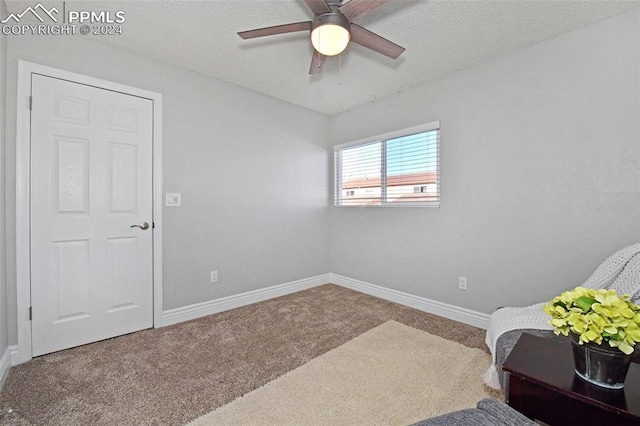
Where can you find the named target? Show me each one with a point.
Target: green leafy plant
(596, 316)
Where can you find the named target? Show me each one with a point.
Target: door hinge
(30, 313)
(30, 103)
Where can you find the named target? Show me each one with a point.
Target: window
(393, 170)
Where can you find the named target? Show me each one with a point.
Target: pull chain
(340, 69)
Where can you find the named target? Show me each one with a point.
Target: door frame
(23, 196)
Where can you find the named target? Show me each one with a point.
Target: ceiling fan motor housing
(335, 18)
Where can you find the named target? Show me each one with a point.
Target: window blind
(400, 170)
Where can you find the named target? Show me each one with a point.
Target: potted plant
(604, 329)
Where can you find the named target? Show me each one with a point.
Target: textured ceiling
(441, 37)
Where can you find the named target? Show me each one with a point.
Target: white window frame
(337, 184)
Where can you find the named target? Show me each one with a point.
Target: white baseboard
(464, 315)
(15, 355)
(5, 365)
(197, 310)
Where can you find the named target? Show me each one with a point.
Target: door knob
(144, 226)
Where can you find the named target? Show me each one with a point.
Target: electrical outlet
(462, 283)
(214, 276)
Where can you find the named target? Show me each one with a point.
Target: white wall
(252, 170)
(540, 154)
(3, 276)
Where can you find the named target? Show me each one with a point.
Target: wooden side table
(544, 386)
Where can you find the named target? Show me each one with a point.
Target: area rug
(390, 375)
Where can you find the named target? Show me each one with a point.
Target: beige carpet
(172, 375)
(391, 375)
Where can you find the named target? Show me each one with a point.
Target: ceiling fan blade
(277, 29)
(318, 7)
(317, 62)
(375, 42)
(356, 8)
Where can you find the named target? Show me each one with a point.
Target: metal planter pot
(601, 365)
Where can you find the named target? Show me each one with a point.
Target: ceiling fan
(332, 28)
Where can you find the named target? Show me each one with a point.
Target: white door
(91, 180)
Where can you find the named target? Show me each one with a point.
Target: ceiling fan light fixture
(330, 34)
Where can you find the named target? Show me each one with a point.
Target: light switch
(172, 199)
